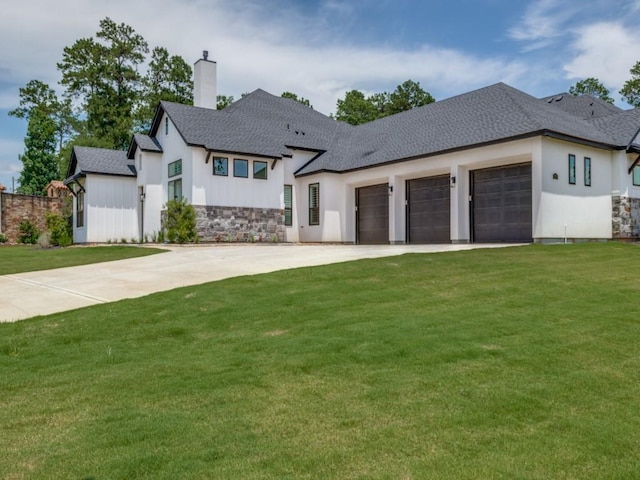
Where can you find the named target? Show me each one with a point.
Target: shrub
(59, 229)
(29, 233)
(181, 222)
(3, 238)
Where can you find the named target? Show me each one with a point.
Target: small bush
(29, 233)
(181, 222)
(3, 238)
(59, 230)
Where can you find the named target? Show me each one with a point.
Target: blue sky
(322, 48)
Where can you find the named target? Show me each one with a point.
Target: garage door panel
(428, 210)
(373, 214)
(502, 205)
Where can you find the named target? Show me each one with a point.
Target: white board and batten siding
(111, 210)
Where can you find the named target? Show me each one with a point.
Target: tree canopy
(356, 108)
(591, 86)
(631, 89)
(295, 97)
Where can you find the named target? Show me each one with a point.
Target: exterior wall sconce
(390, 189)
(555, 176)
(453, 182)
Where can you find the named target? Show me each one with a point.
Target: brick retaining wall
(16, 208)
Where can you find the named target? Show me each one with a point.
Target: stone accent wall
(16, 208)
(240, 224)
(625, 217)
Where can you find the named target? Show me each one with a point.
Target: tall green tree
(223, 101)
(46, 130)
(168, 78)
(407, 96)
(102, 74)
(591, 86)
(295, 97)
(357, 109)
(631, 89)
(39, 161)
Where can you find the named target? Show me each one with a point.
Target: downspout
(142, 195)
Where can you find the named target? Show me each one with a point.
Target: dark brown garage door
(372, 215)
(501, 204)
(428, 210)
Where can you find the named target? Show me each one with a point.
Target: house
(56, 189)
(491, 165)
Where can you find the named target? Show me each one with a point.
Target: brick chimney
(205, 89)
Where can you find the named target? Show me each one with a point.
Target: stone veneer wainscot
(625, 217)
(239, 224)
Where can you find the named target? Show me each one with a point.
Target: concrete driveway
(29, 294)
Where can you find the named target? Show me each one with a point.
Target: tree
(222, 101)
(39, 162)
(631, 89)
(295, 97)
(591, 86)
(102, 74)
(407, 96)
(39, 105)
(356, 109)
(168, 78)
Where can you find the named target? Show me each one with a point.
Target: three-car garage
(500, 208)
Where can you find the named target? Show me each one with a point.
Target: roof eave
(544, 133)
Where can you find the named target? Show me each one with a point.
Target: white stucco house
(491, 165)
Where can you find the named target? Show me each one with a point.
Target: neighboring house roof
(145, 143)
(100, 161)
(583, 106)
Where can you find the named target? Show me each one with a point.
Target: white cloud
(256, 44)
(605, 50)
(542, 23)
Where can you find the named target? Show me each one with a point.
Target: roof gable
(100, 161)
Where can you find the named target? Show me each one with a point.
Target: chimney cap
(205, 54)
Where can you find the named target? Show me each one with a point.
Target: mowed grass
(518, 363)
(22, 258)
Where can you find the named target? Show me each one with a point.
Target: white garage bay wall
(338, 191)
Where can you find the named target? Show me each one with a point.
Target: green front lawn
(22, 258)
(519, 363)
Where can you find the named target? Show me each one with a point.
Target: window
(288, 205)
(636, 176)
(572, 169)
(260, 170)
(314, 204)
(166, 125)
(175, 189)
(80, 209)
(587, 171)
(175, 168)
(221, 166)
(240, 168)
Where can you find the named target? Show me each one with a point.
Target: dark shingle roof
(102, 161)
(264, 125)
(582, 106)
(491, 114)
(258, 124)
